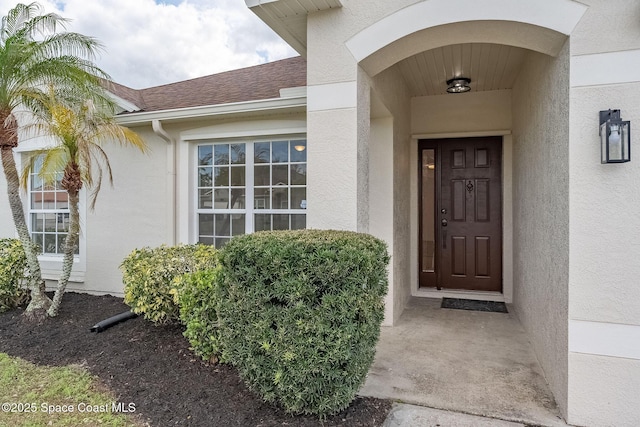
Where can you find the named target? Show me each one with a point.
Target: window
(247, 187)
(49, 212)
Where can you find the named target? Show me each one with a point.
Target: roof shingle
(246, 84)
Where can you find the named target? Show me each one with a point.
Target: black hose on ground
(107, 323)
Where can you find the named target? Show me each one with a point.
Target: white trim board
(605, 339)
(248, 129)
(246, 107)
(471, 134)
(605, 68)
(332, 96)
(558, 15)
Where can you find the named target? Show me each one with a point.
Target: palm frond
(16, 18)
(68, 43)
(34, 54)
(79, 131)
(48, 163)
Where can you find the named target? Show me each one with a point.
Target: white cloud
(151, 42)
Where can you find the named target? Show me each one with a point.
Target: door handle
(444, 223)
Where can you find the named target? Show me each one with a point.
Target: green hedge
(198, 304)
(300, 314)
(149, 273)
(12, 274)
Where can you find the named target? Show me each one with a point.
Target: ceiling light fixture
(458, 85)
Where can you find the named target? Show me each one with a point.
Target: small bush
(300, 314)
(148, 276)
(12, 274)
(199, 311)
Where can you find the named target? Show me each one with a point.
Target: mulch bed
(153, 368)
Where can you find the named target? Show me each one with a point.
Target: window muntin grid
(247, 187)
(48, 212)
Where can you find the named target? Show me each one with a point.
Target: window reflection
(428, 210)
(49, 211)
(277, 171)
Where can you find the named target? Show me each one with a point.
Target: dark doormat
(475, 305)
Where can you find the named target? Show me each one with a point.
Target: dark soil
(152, 367)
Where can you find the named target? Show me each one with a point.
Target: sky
(155, 42)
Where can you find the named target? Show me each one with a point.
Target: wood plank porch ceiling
(489, 66)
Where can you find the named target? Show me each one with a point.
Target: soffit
(288, 18)
(489, 66)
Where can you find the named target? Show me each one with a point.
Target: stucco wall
(604, 311)
(594, 34)
(469, 112)
(604, 291)
(328, 31)
(130, 215)
(390, 89)
(605, 227)
(7, 228)
(139, 210)
(603, 391)
(381, 222)
(541, 210)
(340, 137)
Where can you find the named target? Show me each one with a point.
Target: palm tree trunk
(69, 248)
(40, 302)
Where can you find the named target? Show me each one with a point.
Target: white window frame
(250, 210)
(289, 211)
(292, 127)
(46, 211)
(51, 264)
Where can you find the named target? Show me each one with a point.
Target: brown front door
(461, 214)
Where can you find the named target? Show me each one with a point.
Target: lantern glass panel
(624, 134)
(614, 141)
(603, 142)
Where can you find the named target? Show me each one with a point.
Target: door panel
(483, 256)
(465, 233)
(458, 256)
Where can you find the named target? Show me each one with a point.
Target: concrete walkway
(403, 415)
(464, 361)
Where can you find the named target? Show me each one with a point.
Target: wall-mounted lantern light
(615, 137)
(458, 85)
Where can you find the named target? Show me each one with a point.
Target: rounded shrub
(300, 314)
(149, 273)
(12, 274)
(198, 304)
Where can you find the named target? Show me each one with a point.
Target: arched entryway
(517, 57)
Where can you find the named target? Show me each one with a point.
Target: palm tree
(34, 55)
(79, 131)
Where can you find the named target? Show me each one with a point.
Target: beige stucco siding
(605, 232)
(130, 215)
(151, 201)
(327, 52)
(603, 391)
(604, 323)
(541, 210)
(472, 112)
(390, 89)
(607, 26)
(7, 228)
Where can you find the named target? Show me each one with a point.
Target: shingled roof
(246, 84)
